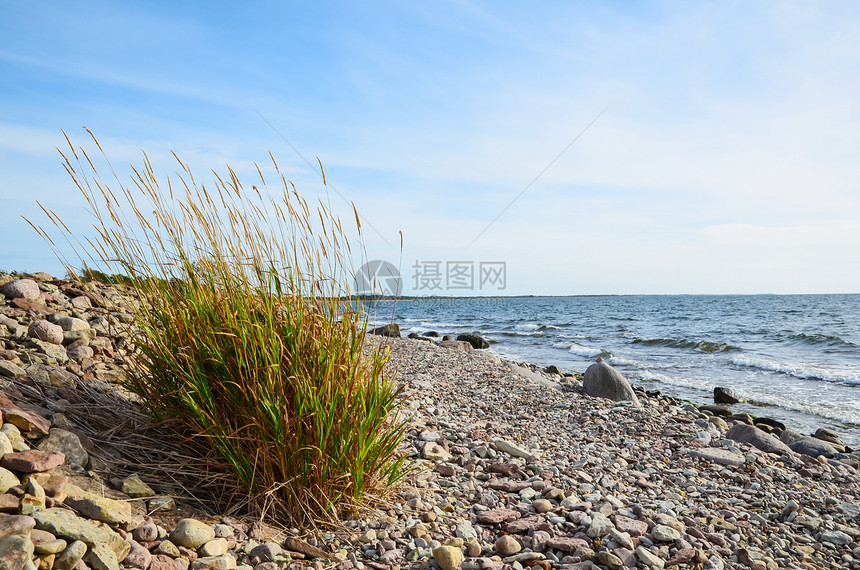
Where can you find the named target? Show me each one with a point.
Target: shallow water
(797, 357)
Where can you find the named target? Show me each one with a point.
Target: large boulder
(474, 340)
(603, 381)
(743, 433)
(812, 446)
(725, 396)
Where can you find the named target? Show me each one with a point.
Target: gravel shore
(513, 468)
(532, 473)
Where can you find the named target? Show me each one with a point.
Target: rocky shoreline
(514, 468)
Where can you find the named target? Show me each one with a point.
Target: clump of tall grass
(243, 334)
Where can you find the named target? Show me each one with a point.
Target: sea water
(795, 358)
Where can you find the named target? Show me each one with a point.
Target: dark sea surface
(795, 357)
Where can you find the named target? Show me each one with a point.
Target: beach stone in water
(743, 433)
(390, 330)
(775, 424)
(474, 340)
(725, 396)
(603, 381)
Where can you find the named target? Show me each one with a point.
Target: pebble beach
(513, 467)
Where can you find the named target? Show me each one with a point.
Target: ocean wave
(536, 327)
(515, 333)
(586, 351)
(700, 345)
(799, 370)
(829, 340)
(621, 361)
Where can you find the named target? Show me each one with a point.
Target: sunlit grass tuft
(243, 335)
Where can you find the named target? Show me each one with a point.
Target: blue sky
(726, 158)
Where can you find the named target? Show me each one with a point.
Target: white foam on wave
(582, 350)
(510, 332)
(801, 370)
(621, 361)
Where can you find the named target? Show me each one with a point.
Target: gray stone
(600, 525)
(267, 552)
(789, 436)
(665, 533)
(191, 533)
(475, 340)
(21, 289)
(725, 396)
(603, 381)
(648, 558)
(67, 443)
(743, 433)
(46, 331)
(466, 531)
(836, 537)
(812, 446)
(512, 450)
(721, 456)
